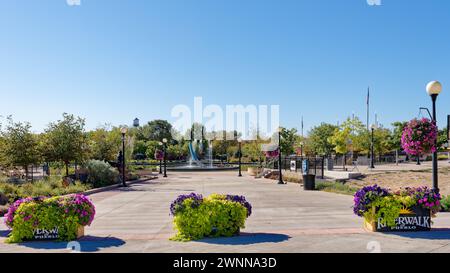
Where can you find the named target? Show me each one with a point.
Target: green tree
(288, 140)
(442, 139)
(19, 145)
(155, 130)
(140, 147)
(341, 140)
(318, 139)
(152, 147)
(395, 138)
(104, 144)
(359, 136)
(66, 141)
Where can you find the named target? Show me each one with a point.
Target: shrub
(11, 191)
(377, 203)
(51, 187)
(196, 217)
(335, 187)
(445, 203)
(3, 199)
(66, 213)
(101, 174)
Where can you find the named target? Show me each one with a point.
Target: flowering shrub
(419, 137)
(364, 197)
(215, 216)
(178, 204)
(374, 202)
(66, 213)
(424, 197)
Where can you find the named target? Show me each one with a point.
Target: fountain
(198, 165)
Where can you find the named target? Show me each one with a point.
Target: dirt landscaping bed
(401, 179)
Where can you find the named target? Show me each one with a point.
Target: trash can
(309, 180)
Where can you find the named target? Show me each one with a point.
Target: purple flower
(365, 196)
(241, 200)
(177, 204)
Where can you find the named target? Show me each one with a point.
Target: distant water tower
(136, 122)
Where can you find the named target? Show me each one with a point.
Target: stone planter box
(418, 219)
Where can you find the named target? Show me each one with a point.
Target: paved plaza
(285, 219)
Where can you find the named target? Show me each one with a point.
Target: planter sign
(44, 234)
(407, 222)
(415, 220)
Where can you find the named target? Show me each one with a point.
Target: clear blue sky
(114, 60)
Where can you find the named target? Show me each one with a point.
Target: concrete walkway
(285, 219)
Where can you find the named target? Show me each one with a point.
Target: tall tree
(318, 139)
(20, 146)
(155, 130)
(66, 140)
(288, 139)
(104, 144)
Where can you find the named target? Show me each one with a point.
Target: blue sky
(114, 60)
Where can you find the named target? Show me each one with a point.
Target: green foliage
(140, 147)
(395, 138)
(288, 140)
(152, 147)
(101, 174)
(387, 209)
(19, 145)
(318, 138)
(44, 214)
(214, 217)
(51, 187)
(341, 140)
(445, 203)
(104, 144)
(155, 130)
(11, 191)
(336, 187)
(66, 141)
(48, 187)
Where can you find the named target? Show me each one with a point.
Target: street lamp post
(434, 88)
(240, 157)
(280, 175)
(372, 144)
(165, 156)
(124, 132)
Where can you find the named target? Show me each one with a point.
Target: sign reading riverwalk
(420, 220)
(44, 234)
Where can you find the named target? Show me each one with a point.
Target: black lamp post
(124, 132)
(372, 144)
(240, 157)
(434, 88)
(164, 156)
(280, 176)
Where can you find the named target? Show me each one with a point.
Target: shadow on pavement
(434, 234)
(4, 233)
(248, 239)
(86, 244)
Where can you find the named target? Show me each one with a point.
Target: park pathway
(285, 219)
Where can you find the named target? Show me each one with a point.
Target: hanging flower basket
(272, 154)
(409, 209)
(419, 137)
(159, 155)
